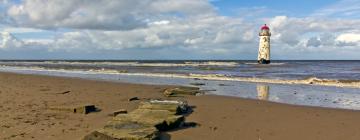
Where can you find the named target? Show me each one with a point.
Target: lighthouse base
(263, 61)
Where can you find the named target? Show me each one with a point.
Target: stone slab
(181, 91)
(143, 123)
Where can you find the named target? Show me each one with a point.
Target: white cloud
(348, 39)
(22, 30)
(313, 42)
(9, 41)
(291, 31)
(102, 14)
(256, 12)
(162, 22)
(176, 33)
(168, 29)
(342, 8)
(211, 35)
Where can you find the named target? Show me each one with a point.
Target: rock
(223, 85)
(120, 111)
(197, 84)
(174, 106)
(65, 92)
(181, 91)
(81, 109)
(95, 135)
(143, 123)
(123, 131)
(123, 71)
(160, 119)
(134, 99)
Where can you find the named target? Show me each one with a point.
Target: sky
(178, 29)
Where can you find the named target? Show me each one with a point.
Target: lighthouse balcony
(265, 33)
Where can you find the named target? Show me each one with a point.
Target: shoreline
(169, 86)
(25, 96)
(341, 83)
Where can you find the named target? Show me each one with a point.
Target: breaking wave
(218, 77)
(139, 64)
(271, 64)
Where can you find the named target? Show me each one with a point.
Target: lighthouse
(264, 45)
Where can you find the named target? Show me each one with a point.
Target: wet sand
(24, 100)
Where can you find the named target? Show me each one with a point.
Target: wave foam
(194, 64)
(271, 64)
(219, 77)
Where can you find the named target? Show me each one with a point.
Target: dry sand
(24, 100)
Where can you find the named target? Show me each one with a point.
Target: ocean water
(333, 84)
(343, 70)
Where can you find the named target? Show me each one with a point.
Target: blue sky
(173, 29)
(300, 8)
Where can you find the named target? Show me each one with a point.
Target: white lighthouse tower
(264, 45)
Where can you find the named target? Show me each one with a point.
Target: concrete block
(81, 109)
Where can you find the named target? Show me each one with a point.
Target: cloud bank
(166, 29)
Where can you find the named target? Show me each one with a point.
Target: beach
(25, 115)
(179, 70)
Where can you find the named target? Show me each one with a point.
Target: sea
(330, 84)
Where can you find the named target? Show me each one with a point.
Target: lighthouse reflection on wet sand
(264, 45)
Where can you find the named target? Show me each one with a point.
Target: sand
(24, 100)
